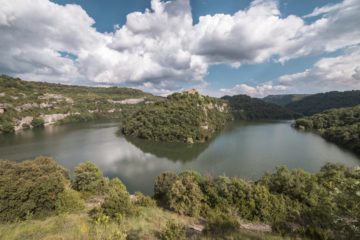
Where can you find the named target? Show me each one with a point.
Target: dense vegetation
(182, 117)
(325, 205)
(323, 101)
(341, 126)
(284, 99)
(25, 104)
(246, 108)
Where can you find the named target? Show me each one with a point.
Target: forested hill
(246, 108)
(182, 117)
(284, 99)
(25, 104)
(341, 126)
(322, 101)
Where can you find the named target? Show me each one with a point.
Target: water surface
(245, 149)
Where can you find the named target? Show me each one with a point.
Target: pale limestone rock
(130, 101)
(24, 121)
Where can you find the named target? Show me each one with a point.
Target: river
(245, 149)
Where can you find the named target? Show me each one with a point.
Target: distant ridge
(284, 99)
(322, 101)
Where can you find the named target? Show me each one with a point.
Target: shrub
(162, 184)
(88, 178)
(7, 127)
(144, 201)
(37, 123)
(117, 200)
(185, 197)
(218, 223)
(69, 201)
(28, 188)
(173, 231)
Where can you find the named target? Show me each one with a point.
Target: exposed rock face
(58, 97)
(46, 105)
(130, 101)
(20, 124)
(192, 91)
(50, 119)
(26, 106)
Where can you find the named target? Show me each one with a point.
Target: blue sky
(303, 60)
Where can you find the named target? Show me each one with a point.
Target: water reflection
(243, 149)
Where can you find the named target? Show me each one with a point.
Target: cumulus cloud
(333, 73)
(261, 90)
(160, 49)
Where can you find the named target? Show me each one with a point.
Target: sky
(226, 47)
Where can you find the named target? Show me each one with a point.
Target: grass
(145, 225)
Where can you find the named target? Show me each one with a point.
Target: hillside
(182, 117)
(341, 126)
(284, 99)
(322, 101)
(244, 107)
(25, 104)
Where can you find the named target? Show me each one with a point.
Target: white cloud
(160, 49)
(250, 36)
(261, 90)
(337, 28)
(332, 73)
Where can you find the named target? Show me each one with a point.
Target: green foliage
(323, 101)
(185, 197)
(24, 98)
(341, 126)
(69, 201)
(173, 231)
(180, 193)
(182, 117)
(37, 123)
(284, 99)
(88, 178)
(28, 188)
(246, 108)
(117, 200)
(221, 224)
(162, 186)
(7, 127)
(144, 201)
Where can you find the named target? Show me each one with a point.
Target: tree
(30, 188)
(88, 178)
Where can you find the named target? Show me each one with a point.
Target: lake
(245, 149)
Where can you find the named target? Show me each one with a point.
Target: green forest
(317, 103)
(37, 205)
(341, 126)
(244, 107)
(182, 117)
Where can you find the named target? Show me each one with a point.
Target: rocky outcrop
(50, 119)
(130, 101)
(57, 97)
(23, 123)
(27, 106)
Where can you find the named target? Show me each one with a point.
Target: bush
(144, 201)
(69, 201)
(7, 127)
(117, 200)
(173, 231)
(30, 188)
(162, 184)
(37, 123)
(185, 197)
(88, 178)
(218, 223)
